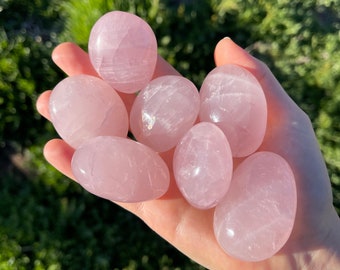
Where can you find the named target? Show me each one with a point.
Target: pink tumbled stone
(123, 50)
(164, 111)
(233, 99)
(83, 106)
(120, 169)
(203, 165)
(256, 217)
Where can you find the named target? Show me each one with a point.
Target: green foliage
(25, 68)
(80, 16)
(84, 14)
(21, 79)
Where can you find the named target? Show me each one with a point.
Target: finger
(73, 60)
(290, 134)
(42, 104)
(163, 68)
(227, 52)
(282, 111)
(59, 155)
(177, 217)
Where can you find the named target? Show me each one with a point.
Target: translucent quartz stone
(123, 50)
(233, 99)
(84, 106)
(120, 169)
(203, 165)
(256, 217)
(164, 111)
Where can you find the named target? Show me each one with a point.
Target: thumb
(227, 52)
(290, 134)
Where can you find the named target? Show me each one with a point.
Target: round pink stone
(256, 217)
(120, 169)
(123, 50)
(233, 99)
(164, 111)
(203, 165)
(84, 106)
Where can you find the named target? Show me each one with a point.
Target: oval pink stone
(256, 217)
(233, 99)
(164, 111)
(84, 106)
(203, 165)
(123, 50)
(119, 169)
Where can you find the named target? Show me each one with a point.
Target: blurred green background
(48, 222)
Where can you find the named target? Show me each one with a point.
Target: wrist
(327, 255)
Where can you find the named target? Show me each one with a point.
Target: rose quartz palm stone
(256, 217)
(255, 204)
(233, 99)
(203, 165)
(164, 111)
(123, 50)
(120, 169)
(83, 106)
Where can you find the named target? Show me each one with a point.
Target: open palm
(314, 242)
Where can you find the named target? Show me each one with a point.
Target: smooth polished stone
(123, 50)
(83, 106)
(120, 169)
(256, 217)
(203, 165)
(232, 98)
(164, 111)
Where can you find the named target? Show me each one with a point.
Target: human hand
(314, 242)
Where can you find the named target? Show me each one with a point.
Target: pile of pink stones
(254, 204)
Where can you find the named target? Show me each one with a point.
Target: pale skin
(315, 239)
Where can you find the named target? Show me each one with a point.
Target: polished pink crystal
(83, 106)
(256, 217)
(203, 165)
(164, 111)
(120, 169)
(233, 99)
(123, 50)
